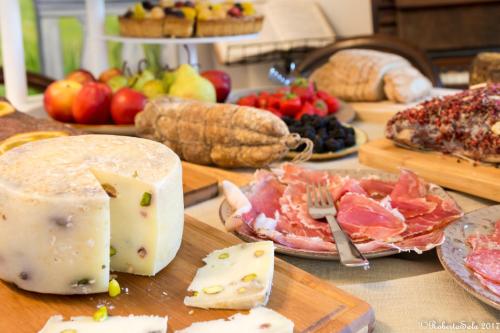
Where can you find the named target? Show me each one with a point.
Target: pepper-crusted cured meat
(465, 124)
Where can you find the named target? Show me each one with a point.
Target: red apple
(59, 97)
(109, 73)
(221, 82)
(126, 104)
(92, 104)
(81, 75)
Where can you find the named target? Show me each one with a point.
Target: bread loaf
(406, 85)
(356, 75)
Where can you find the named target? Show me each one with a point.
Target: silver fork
(320, 204)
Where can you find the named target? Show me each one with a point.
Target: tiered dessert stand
(95, 55)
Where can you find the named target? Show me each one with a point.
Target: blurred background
(451, 32)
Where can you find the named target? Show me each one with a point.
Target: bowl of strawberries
(294, 101)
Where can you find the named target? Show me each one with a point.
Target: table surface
(409, 292)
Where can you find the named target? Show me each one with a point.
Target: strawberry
(275, 111)
(320, 107)
(290, 105)
(235, 12)
(283, 90)
(274, 100)
(304, 89)
(263, 100)
(332, 103)
(307, 108)
(250, 100)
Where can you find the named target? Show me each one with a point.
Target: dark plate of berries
(332, 139)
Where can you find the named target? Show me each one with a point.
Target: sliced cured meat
(360, 215)
(262, 199)
(346, 185)
(420, 243)
(490, 285)
(409, 195)
(485, 262)
(377, 188)
(445, 212)
(297, 242)
(480, 240)
(484, 259)
(298, 222)
(292, 173)
(275, 207)
(264, 196)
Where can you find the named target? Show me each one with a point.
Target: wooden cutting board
(447, 171)
(198, 185)
(314, 305)
(200, 182)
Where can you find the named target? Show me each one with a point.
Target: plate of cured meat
(471, 253)
(383, 213)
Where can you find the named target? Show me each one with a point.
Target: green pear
(117, 82)
(189, 85)
(153, 88)
(185, 69)
(167, 80)
(142, 79)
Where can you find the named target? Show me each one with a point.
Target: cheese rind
(57, 222)
(259, 320)
(130, 324)
(238, 277)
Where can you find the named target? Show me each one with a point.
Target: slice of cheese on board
(259, 320)
(237, 277)
(65, 201)
(130, 324)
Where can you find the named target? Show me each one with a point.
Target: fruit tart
(228, 18)
(167, 18)
(179, 18)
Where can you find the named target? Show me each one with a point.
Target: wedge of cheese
(238, 277)
(72, 208)
(130, 324)
(259, 320)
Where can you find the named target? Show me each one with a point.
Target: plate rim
(468, 288)
(363, 138)
(323, 255)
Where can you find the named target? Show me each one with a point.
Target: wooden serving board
(198, 185)
(381, 112)
(445, 170)
(312, 304)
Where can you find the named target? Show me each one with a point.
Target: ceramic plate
(107, 129)
(225, 212)
(361, 138)
(346, 114)
(454, 250)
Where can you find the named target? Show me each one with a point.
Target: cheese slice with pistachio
(237, 277)
(73, 208)
(130, 324)
(259, 320)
